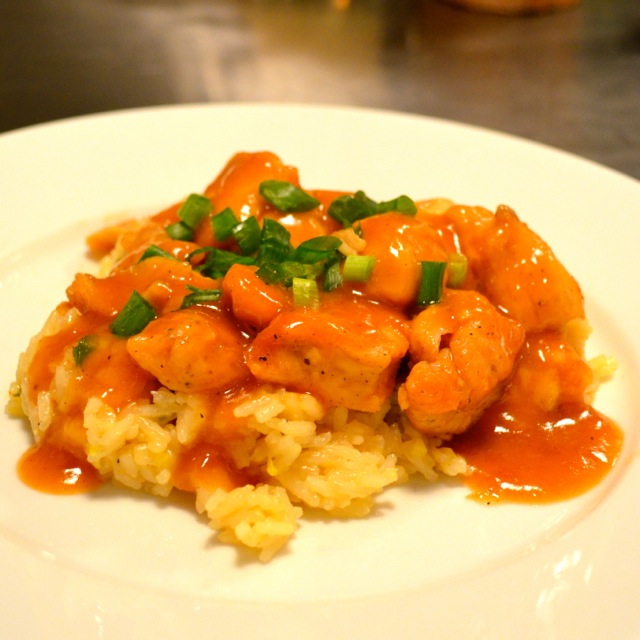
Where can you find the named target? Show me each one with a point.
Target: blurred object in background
(513, 7)
(568, 79)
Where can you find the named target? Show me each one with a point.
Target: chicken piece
(103, 241)
(399, 242)
(162, 281)
(346, 352)
(551, 372)
(237, 184)
(462, 350)
(192, 350)
(253, 302)
(237, 187)
(516, 269)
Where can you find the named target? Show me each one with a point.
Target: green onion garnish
(431, 283)
(332, 276)
(200, 296)
(153, 251)
(401, 204)
(194, 209)
(134, 317)
(223, 224)
(247, 235)
(219, 261)
(274, 233)
(179, 231)
(350, 208)
(458, 266)
(83, 348)
(318, 249)
(358, 268)
(274, 243)
(305, 293)
(286, 272)
(279, 262)
(286, 197)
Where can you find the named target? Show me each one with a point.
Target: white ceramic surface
(428, 563)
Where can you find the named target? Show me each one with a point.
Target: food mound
(272, 349)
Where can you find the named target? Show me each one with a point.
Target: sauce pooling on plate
(273, 349)
(51, 469)
(526, 448)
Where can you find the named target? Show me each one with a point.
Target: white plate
(428, 563)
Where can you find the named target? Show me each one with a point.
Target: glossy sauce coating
(52, 469)
(541, 442)
(524, 455)
(489, 360)
(204, 465)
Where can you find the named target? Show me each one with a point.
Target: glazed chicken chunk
(462, 351)
(346, 352)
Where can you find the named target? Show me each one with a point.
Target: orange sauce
(204, 465)
(525, 455)
(399, 243)
(528, 448)
(111, 374)
(49, 353)
(52, 469)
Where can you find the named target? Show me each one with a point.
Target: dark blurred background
(570, 79)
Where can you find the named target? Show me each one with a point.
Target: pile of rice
(335, 461)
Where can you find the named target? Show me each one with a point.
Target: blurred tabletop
(570, 79)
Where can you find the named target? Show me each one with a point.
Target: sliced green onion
(200, 296)
(318, 249)
(286, 272)
(431, 283)
(271, 254)
(194, 209)
(223, 224)
(358, 268)
(290, 270)
(153, 251)
(274, 243)
(247, 235)
(179, 231)
(83, 348)
(286, 197)
(458, 266)
(332, 276)
(305, 293)
(350, 208)
(134, 317)
(197, 252)
(269, 272)
(274, 232)
(401, 204)
(219, 261)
